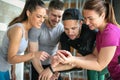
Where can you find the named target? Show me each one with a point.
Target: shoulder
(86, 29)
(15, 29)
(63, 37)
(63, 34)
(60, 25)
(59, 28)
(111, 28)
(34, 30)
(110, 36)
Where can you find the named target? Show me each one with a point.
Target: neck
(27, 26)
(103, 26)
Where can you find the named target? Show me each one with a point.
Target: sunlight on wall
(3, 27)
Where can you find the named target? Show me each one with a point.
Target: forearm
(89, 56)
(21, 58)
(91, 64)
(37, 65)
(62, 67)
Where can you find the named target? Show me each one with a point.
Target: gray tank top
(4, 65)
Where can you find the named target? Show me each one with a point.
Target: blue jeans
(4, 75)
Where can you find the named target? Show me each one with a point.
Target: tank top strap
(19, 25)
(23, 29)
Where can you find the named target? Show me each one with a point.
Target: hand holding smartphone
(65, 54)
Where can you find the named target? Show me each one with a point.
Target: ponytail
(110, 16)
(29, 5)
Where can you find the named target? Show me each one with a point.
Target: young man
(46, 40)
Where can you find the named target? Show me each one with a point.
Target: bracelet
(51, 69)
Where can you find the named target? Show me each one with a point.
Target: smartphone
(64, 54)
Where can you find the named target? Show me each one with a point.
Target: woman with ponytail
(15, 40)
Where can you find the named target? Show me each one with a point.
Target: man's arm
(33, 47)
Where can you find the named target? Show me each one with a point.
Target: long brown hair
(29, 5)
(101, 6)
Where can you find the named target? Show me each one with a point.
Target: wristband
(51, 69)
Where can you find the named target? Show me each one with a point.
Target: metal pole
(77, 4)
(69, 4)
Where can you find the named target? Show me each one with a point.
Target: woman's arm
(91, 62)
(15, 35)
(13, 75)
(97, 62)
(62, 67)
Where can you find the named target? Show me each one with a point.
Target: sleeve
(87, 41)
(33, 34)
(63, 42)
(110, 38)
(92, 40)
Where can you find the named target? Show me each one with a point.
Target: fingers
(42, 77)
(61, 58)
(64, 52)
(42, 55)
(45, 74)
(64, 56)
(55, 62)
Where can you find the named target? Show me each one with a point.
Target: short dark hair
(56, 4)
(72, 14)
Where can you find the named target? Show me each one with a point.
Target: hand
(55, 76)
(42, 55)
(46, 74)
(64, 57)
(54, 60)
(13, 75)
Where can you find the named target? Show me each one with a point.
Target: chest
(49, 36)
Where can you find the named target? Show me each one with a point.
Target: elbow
(100, 68)
(10, 60)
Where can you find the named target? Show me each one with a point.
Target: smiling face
(36, 17)
(54, 16)
(93, 19)
(72, 28)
